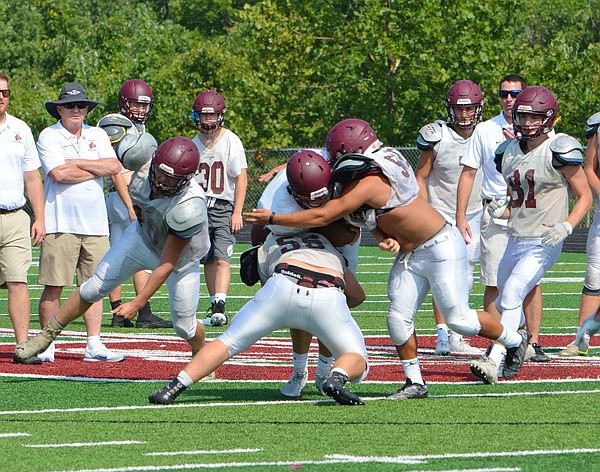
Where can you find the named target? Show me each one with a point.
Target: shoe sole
(480, 373)
(93, 359)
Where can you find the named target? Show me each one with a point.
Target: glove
(497, 207)
(556, 233)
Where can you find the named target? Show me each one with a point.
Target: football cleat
(120, 322)
(515, 356)
(334, 388)
(294, 387)
(217, 315)
(540, 355)
(319, 382)
(167, 394)
(484, 368)
(442, 348)
(410, 391)
(573, 350)
(458, 345)
(152, 321)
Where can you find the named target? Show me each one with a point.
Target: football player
(222, 174)
(169, 237)
(134, 147)
(380, 193)
(540, 172)
(441, 145)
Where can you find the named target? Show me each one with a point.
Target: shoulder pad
(352, 167)
(134, 151)
(592, 124)
(566, 150)
(429, 135)
(187, 217)
(116, 126)
(499, 154)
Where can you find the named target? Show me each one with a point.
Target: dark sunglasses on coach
(5, 93)
(79, 105)
(512, 93)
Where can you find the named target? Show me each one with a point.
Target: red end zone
(153, 357)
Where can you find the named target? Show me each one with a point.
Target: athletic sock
(300, 361)
(184, 378)
(412, 370)
(323, 365)
(442, 332)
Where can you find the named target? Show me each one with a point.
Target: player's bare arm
(354, 292)
(424, 167)
(267, 176)
(578, 181)
(373, 190)
(241, 185)
(463, 193)
(591, 163)
(174, 247)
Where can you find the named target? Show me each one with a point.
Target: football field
(72, 415)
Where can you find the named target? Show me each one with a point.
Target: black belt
(309, 278)
(4, 211)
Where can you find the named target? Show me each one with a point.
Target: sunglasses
(79, 105)
(5, 93)
(512, 93)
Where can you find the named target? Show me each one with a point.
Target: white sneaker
(102, 355)
(319, 381)
(295, 385)
(442, 348)
(48, 354)
(485, 368)
(459, 346)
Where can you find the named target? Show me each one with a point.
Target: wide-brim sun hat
(70, 93)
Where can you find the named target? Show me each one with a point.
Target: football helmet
(464, 93)
(209, 101)
(176, 157)
(308, 176)
(534, 100)
(139, 92)
(349, 136)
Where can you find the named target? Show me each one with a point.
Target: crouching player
(169, 237)
(305, 282)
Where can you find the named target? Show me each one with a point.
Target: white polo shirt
(480, 153)
(74, 208)
(18, 154)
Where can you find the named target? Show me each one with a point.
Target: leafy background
(290, 69)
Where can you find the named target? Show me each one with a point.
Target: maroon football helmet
(209, 101)
(136, 92)
(351, 135)
(176, 157)
(464, 93)
(535, 100)
(308, 176)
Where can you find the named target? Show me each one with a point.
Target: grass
(68, 425)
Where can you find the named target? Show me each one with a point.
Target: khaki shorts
(63, 255)
(494, 238)
(15, 247)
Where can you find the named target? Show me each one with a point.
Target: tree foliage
(290, 69)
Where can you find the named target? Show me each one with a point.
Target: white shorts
(129, 255)
(439, 264)
(592, 249)
(281, 303)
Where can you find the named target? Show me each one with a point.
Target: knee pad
(90, 290)
(185, 326)
(400, 327)
(466, 324)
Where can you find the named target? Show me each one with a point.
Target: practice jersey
(220, 166)
(401, 177)
(312, 248)
(277, 198)
(442, 182)
(152, 218)
(539, 192)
